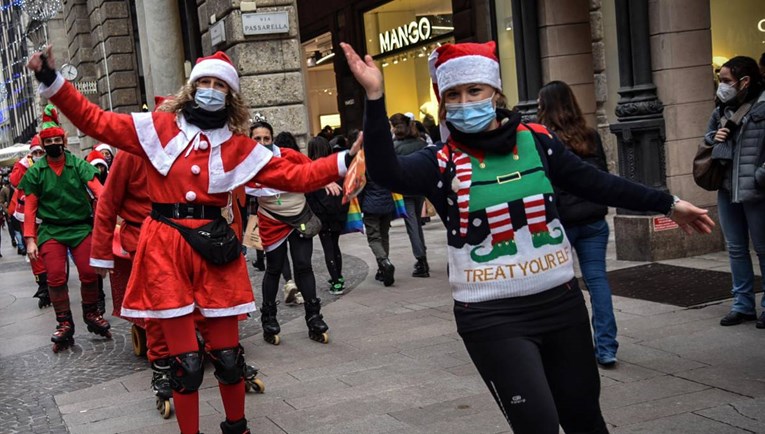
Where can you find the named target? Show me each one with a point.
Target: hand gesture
(333, 189)
(721, 135)
(365, 71)
(36, 60)
(32, 251)
(357, 144)
(691, 217)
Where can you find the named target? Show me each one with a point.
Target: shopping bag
(356, 178)
(252, 233)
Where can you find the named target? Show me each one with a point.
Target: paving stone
(683, 423)
(647, 390)
(670, 406)
(745, 414)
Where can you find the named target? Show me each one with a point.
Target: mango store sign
(265, 23)
(405, 35)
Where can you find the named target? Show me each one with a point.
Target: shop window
(738, 29)
(320, 83)
(400, 36)
(506, 49)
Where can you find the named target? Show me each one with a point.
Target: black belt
(185, 211)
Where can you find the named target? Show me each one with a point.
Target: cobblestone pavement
(32, 378)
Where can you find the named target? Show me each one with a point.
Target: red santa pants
(54, 259)
(221, 332)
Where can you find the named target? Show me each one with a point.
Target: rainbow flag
(400, 208)
(353, 220)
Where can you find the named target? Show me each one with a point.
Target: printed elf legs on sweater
(503, 233)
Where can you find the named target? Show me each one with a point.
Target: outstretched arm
(416, 173)
(572, 174)
(114, 128)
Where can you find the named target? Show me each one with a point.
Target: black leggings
(301, 250)
(330, 243)
(542, 381)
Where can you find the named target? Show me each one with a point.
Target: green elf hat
(50, 126)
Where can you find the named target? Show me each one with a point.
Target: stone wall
(566, 44)
(100, 39)
(271, 67)
(681, 55)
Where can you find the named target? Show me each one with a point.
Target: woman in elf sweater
(197, 152)
(517, 305)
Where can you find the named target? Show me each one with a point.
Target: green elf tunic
(63, 201)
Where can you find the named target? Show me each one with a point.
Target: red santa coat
(187, 165)
(124, 195)
(20, 168)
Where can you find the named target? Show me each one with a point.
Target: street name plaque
(265, 23)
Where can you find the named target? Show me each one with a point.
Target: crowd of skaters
(204, 166)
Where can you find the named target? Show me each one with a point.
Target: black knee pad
(229, 364)
(186, 372)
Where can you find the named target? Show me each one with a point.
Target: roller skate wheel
(323, 338)
(272, 339)
(138, 336)
(164, 408)
(255, 385)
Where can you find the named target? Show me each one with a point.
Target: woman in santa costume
(518, 308)
(198, 152)
(16, 212)
(58, 190)
(126, 196)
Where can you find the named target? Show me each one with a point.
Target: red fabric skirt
(171, 279)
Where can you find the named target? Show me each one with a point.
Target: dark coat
(574, 210)
(329, 209)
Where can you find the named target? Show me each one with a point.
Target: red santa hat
(35, 144)
(95, 157)
(50, 126)
(104, 147)
(455, 64)
(218, 65)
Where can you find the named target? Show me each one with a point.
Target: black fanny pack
(216, 242)
(306, 222)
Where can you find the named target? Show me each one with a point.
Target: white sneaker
(291, 293)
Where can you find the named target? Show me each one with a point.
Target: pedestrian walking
(58, 190)
(518, 309)
(584, 221)
(198, 152)
(330, 210)
(406, 140)
(737, 132)
(284, 218)
(16, 212)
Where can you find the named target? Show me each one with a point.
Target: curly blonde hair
(238, 114)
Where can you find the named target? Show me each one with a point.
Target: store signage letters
(265, 23)
(405, 35)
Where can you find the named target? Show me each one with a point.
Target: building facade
(644, 73)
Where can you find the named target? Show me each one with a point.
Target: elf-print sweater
(494, 193)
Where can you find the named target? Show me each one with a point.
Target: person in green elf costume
(60, 189)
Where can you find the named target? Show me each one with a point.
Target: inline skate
(63, 337)
(317, 328)
(95, 322)
(271, 327)
(160, 384)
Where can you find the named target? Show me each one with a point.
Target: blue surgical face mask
(471, 117)
(210, 99)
